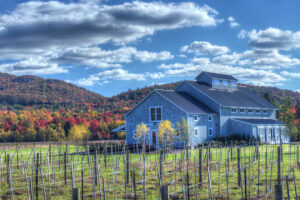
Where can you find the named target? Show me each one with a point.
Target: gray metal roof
(186, 102)
(260, 121)
(219, 76)
(240, 97)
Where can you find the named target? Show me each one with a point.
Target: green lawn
(113, 174)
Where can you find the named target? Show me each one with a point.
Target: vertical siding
(202, 124)
(141, 114)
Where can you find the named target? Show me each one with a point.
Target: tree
(182, 130)
(79, 133)
(165, 132)
(142, 133)
(287, 116)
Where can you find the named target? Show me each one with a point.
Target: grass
(113, 174)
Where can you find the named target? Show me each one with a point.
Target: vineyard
(110, 170)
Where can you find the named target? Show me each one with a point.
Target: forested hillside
(37, 109)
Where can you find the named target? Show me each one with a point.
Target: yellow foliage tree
(142, 133)
(79, 133)
(165, 132)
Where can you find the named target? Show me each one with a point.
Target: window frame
(208, 130)
(211, 118)
(250, 112)
(258, 113)
(155, 114)
(265, 111)
(196, 118)
(232, 83)
(217, 83)
(225, 82)
(196, 130)
(241, 111)
(233, 109)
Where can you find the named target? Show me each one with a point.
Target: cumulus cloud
(97, 57)
(204, 48)
(37, 65)
(232, 22)
(290, 74)
(248, 75)
(273, 38)
(43, 26)
(108, 75)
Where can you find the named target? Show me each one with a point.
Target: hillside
(32, 90)
(38, 92)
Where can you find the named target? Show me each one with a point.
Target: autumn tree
(182, 130)
(288, 117)
(142, 133)
(165, 132)
(79, 133)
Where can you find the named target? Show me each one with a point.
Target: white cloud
(108, 75)
(97, 57)
(43, 26)
(232, 22)
(37, 65)
(146, 56)
(242, 34)
(248, 75)
(204, 48)
(290, 74)
(273, 38)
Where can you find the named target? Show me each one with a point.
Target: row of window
(224, 82)
(196, 118)
(249, 111)
(209, 130)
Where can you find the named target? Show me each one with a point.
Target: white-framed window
(265, 112)
(196, 131)
(216, 82)
(155, 113)
(233, 110)
(233, 83)
(250, 111)
(242, 110)
(257, 111)
(225, 82)
(210, 131)
(209, 118)
(195, 118)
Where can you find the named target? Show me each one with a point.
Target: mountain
(32, 90)
(35, 91)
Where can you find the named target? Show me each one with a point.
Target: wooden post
(245, 177)
(287, 186)
(200, 166)
(37, 176)
(65, 167)
(160, 167)
(127, 166)
(164, 192)
(133, 182)
(75, 194)
(7, 168)
(278, 186)
(295, 184)
(239, 167)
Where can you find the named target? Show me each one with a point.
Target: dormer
(220, 81)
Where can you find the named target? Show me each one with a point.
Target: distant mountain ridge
(35, 91)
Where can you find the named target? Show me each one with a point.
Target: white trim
(212, 132)
(211, 118)
(234, 111)
(155, 107)
(196, 118)
(196, 130)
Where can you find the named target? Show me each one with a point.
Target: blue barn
(212, 105)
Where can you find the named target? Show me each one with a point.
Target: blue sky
(110, 46)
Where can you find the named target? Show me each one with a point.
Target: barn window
(209, 118)
(196, 131)
(210, 132)
(257, 111)
(232, 83)
(242, 110)
(195, 118)
(233, 110)
(250, 111)
(217, 82)
(225, 82)
(155, 113)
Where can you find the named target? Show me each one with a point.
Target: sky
(110, 46)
